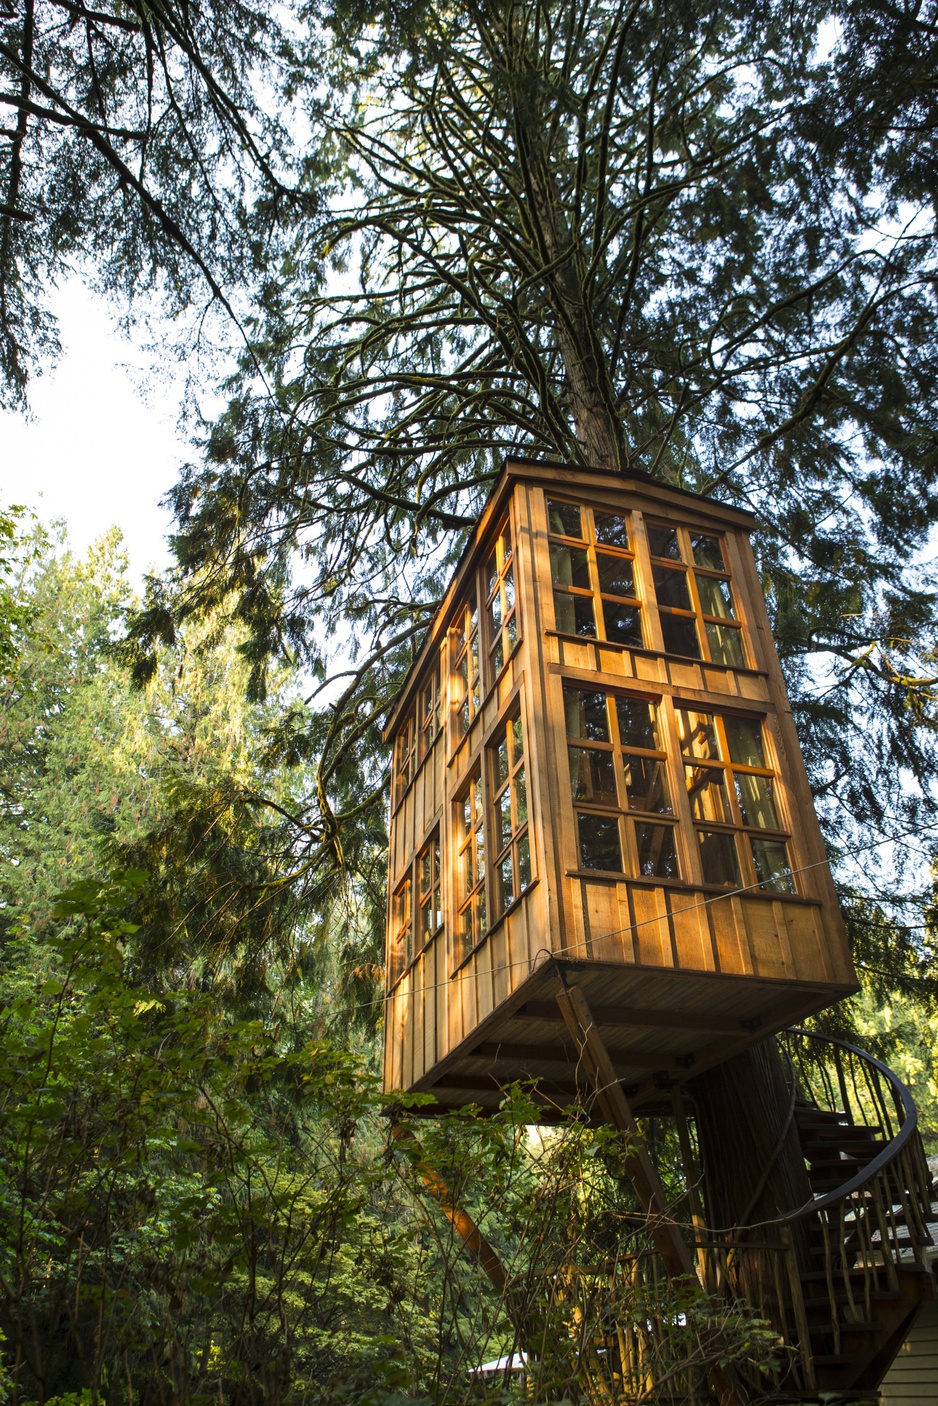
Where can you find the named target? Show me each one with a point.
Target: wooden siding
(444, 1018)
(912, 1380)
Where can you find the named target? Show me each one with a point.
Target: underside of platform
(660, 1027)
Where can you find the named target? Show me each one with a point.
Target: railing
(816, 1274)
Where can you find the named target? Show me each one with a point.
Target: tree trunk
(752, 1162)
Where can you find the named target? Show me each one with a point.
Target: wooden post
(639, 1167)
(465, 1227)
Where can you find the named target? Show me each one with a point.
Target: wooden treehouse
(606, 874)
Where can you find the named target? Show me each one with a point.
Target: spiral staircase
(840, 1280)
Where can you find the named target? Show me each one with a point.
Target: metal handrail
(882, 1158)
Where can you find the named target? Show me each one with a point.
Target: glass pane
(574, 614)
(491, 574)
(509, 585)
(663, 542)
(586, 714)
(437, 910)
(726, 646)
(564, 518)
(517, 739)
(495, 611)
(671, 587)
(502, 765)
(480, 911)
(521, 796)
(506, 881)
(623, 623)
(511, 630)
(744, 738)
(569, 566)
(707, 792)
(599, 842)
(707, 550)
(718, 856)
(680, 635)
(505, 540)
(646, 784)
(638, 723)
(524, 861)
(656, 852)
(498, 656)
(755, 801)
(716, 598)
(616, 577)
(503, 818)
(592, 776)
(611, 529)
(771, 860)
(697, 733)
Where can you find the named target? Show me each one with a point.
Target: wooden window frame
(687, 565)
(500, 601)
(411, 898)
(515, 852)
(405, 756)
(468, 688)
(742, 833)
(471, 924)
(629, 818)
(595, 592)
(429, 714)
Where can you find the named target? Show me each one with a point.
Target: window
(468, 681)
(401, 946)
(511, 844)
(413, 928)
(500, 609)
(593, 574)
(619, 784)
(429, 896)
(429, 713)
(471, 923)
(732, 796)
(405, 757)
(695, 595)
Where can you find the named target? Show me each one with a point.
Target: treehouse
(596, 776)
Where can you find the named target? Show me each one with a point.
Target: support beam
(461, 1221)
(668, 1241)
(638, 1015)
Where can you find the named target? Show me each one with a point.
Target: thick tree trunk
(752, 1163)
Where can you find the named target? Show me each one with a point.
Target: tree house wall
(657, 786)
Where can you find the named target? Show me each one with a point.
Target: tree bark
(753, 1167)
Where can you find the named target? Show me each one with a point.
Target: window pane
(726, 646)
(521, 796)
(707, 551)
(564, 518)
(638, 723)
(698, 735)
(646, 784)
(755, 801)
(502, 764)
(592, 776)
(623, 623)
(503, 818)
(656, 853)
(744, 737)
(671, 587)
(524, 861)
(506, 881)
(771, 860)
(718, 856)
(574, 614)
(680, 635)
(586, 714)
(599, 842)
(569, 566)
(707, 792)
(663, 542)
(611, 529)
(616, 577)
(509, 584)
(491, 574)
(517, 739)
(512, 632)
(716, 598)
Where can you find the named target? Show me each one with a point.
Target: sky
(102, 445)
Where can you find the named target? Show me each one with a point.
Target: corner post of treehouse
(640, 1169)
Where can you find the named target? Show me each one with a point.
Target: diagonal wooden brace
(668, 1241)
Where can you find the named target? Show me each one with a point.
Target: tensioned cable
(688, 908)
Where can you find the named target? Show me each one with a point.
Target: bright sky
(100, 448)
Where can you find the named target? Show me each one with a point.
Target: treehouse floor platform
(660, 1027)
